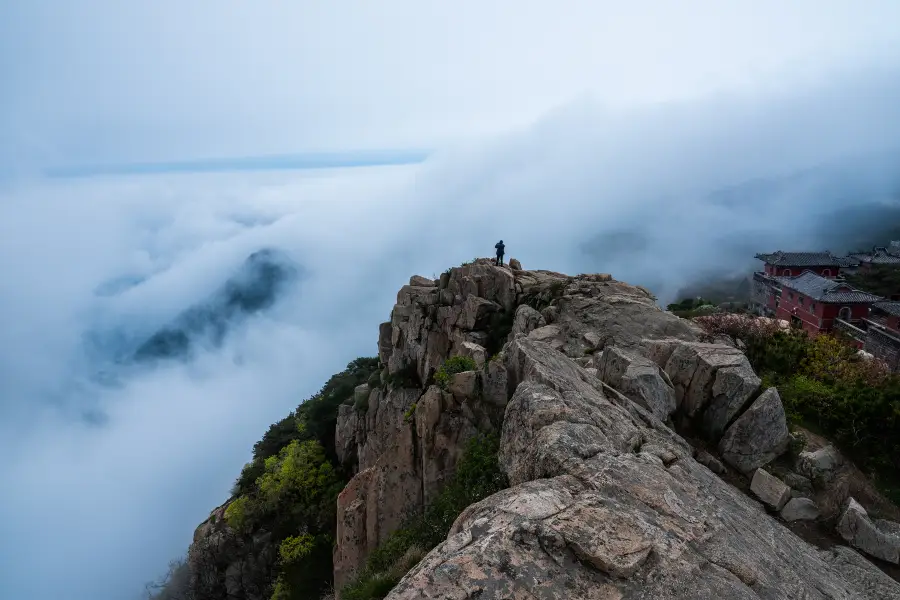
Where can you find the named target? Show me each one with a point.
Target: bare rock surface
(639, 378)
(771, 490)
(800, 509)
(877, 538)
(606, 504)
(758, 436)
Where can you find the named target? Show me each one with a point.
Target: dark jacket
(500, 246)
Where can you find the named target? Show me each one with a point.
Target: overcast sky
(105, 80)
(552, 125)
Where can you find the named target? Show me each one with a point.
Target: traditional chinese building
(793, 263)
(879, 255)
(814, 303)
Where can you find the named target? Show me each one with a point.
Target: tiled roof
(891, 308)
(880, 255)
(800, 259)
(822, 289)
(847, 261)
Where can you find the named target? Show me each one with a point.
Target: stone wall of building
(883, 346)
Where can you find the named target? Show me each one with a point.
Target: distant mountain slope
(259, 282)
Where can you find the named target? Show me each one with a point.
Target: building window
(801, 300)
(786, 273)
(844, 313)
(791, 295)
(826, 273)
(812, 306)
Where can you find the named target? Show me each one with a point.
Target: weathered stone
(800, 509)
(639, 379)
(857, 529)
(495, 383)
(361, 394)
(347, 433)
(419, 281)
(710, 462)
(463, 385)
(592, 339)
(515, 264)
(592, 372)
(443, 433)
(692, 368)
(526, 320)
(550, 314)
(474, 351)
(604, 505)
(820, 465)
(732, 390)
(758, 436)
(550, 334)
(770, 489)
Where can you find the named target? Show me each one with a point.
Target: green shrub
(410, 413)
(477, 476)
(452, 366)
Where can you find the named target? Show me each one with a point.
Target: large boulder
(800, 509)
(693, 368)
(820, 465)
(638, 378)
(526, 320)
(732, 389)
(758, 436)
(878, 538)
(607, 504)
(770, 489)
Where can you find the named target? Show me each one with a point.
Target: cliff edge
(637, 460)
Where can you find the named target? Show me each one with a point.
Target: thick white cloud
(100, 507)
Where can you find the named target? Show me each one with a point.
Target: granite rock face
(607, 503)
(758, 436)
(406, 440)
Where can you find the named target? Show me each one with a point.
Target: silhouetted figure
(500, 248)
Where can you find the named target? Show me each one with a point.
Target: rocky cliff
(641, 459)
(607, 500)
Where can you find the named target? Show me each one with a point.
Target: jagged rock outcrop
(608, 503)
(639, 378)
(409, 440)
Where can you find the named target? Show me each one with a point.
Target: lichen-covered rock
(800, 509)
(770, 489)
(605, 505)
(515, 264)
(758, 436)
(880, 539)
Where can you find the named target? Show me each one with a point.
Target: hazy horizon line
(267, 162)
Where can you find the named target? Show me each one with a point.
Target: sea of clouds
(103, 483)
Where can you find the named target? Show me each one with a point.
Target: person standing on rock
(500, 248)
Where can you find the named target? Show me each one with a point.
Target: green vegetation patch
(452, 366)
(825, 386)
